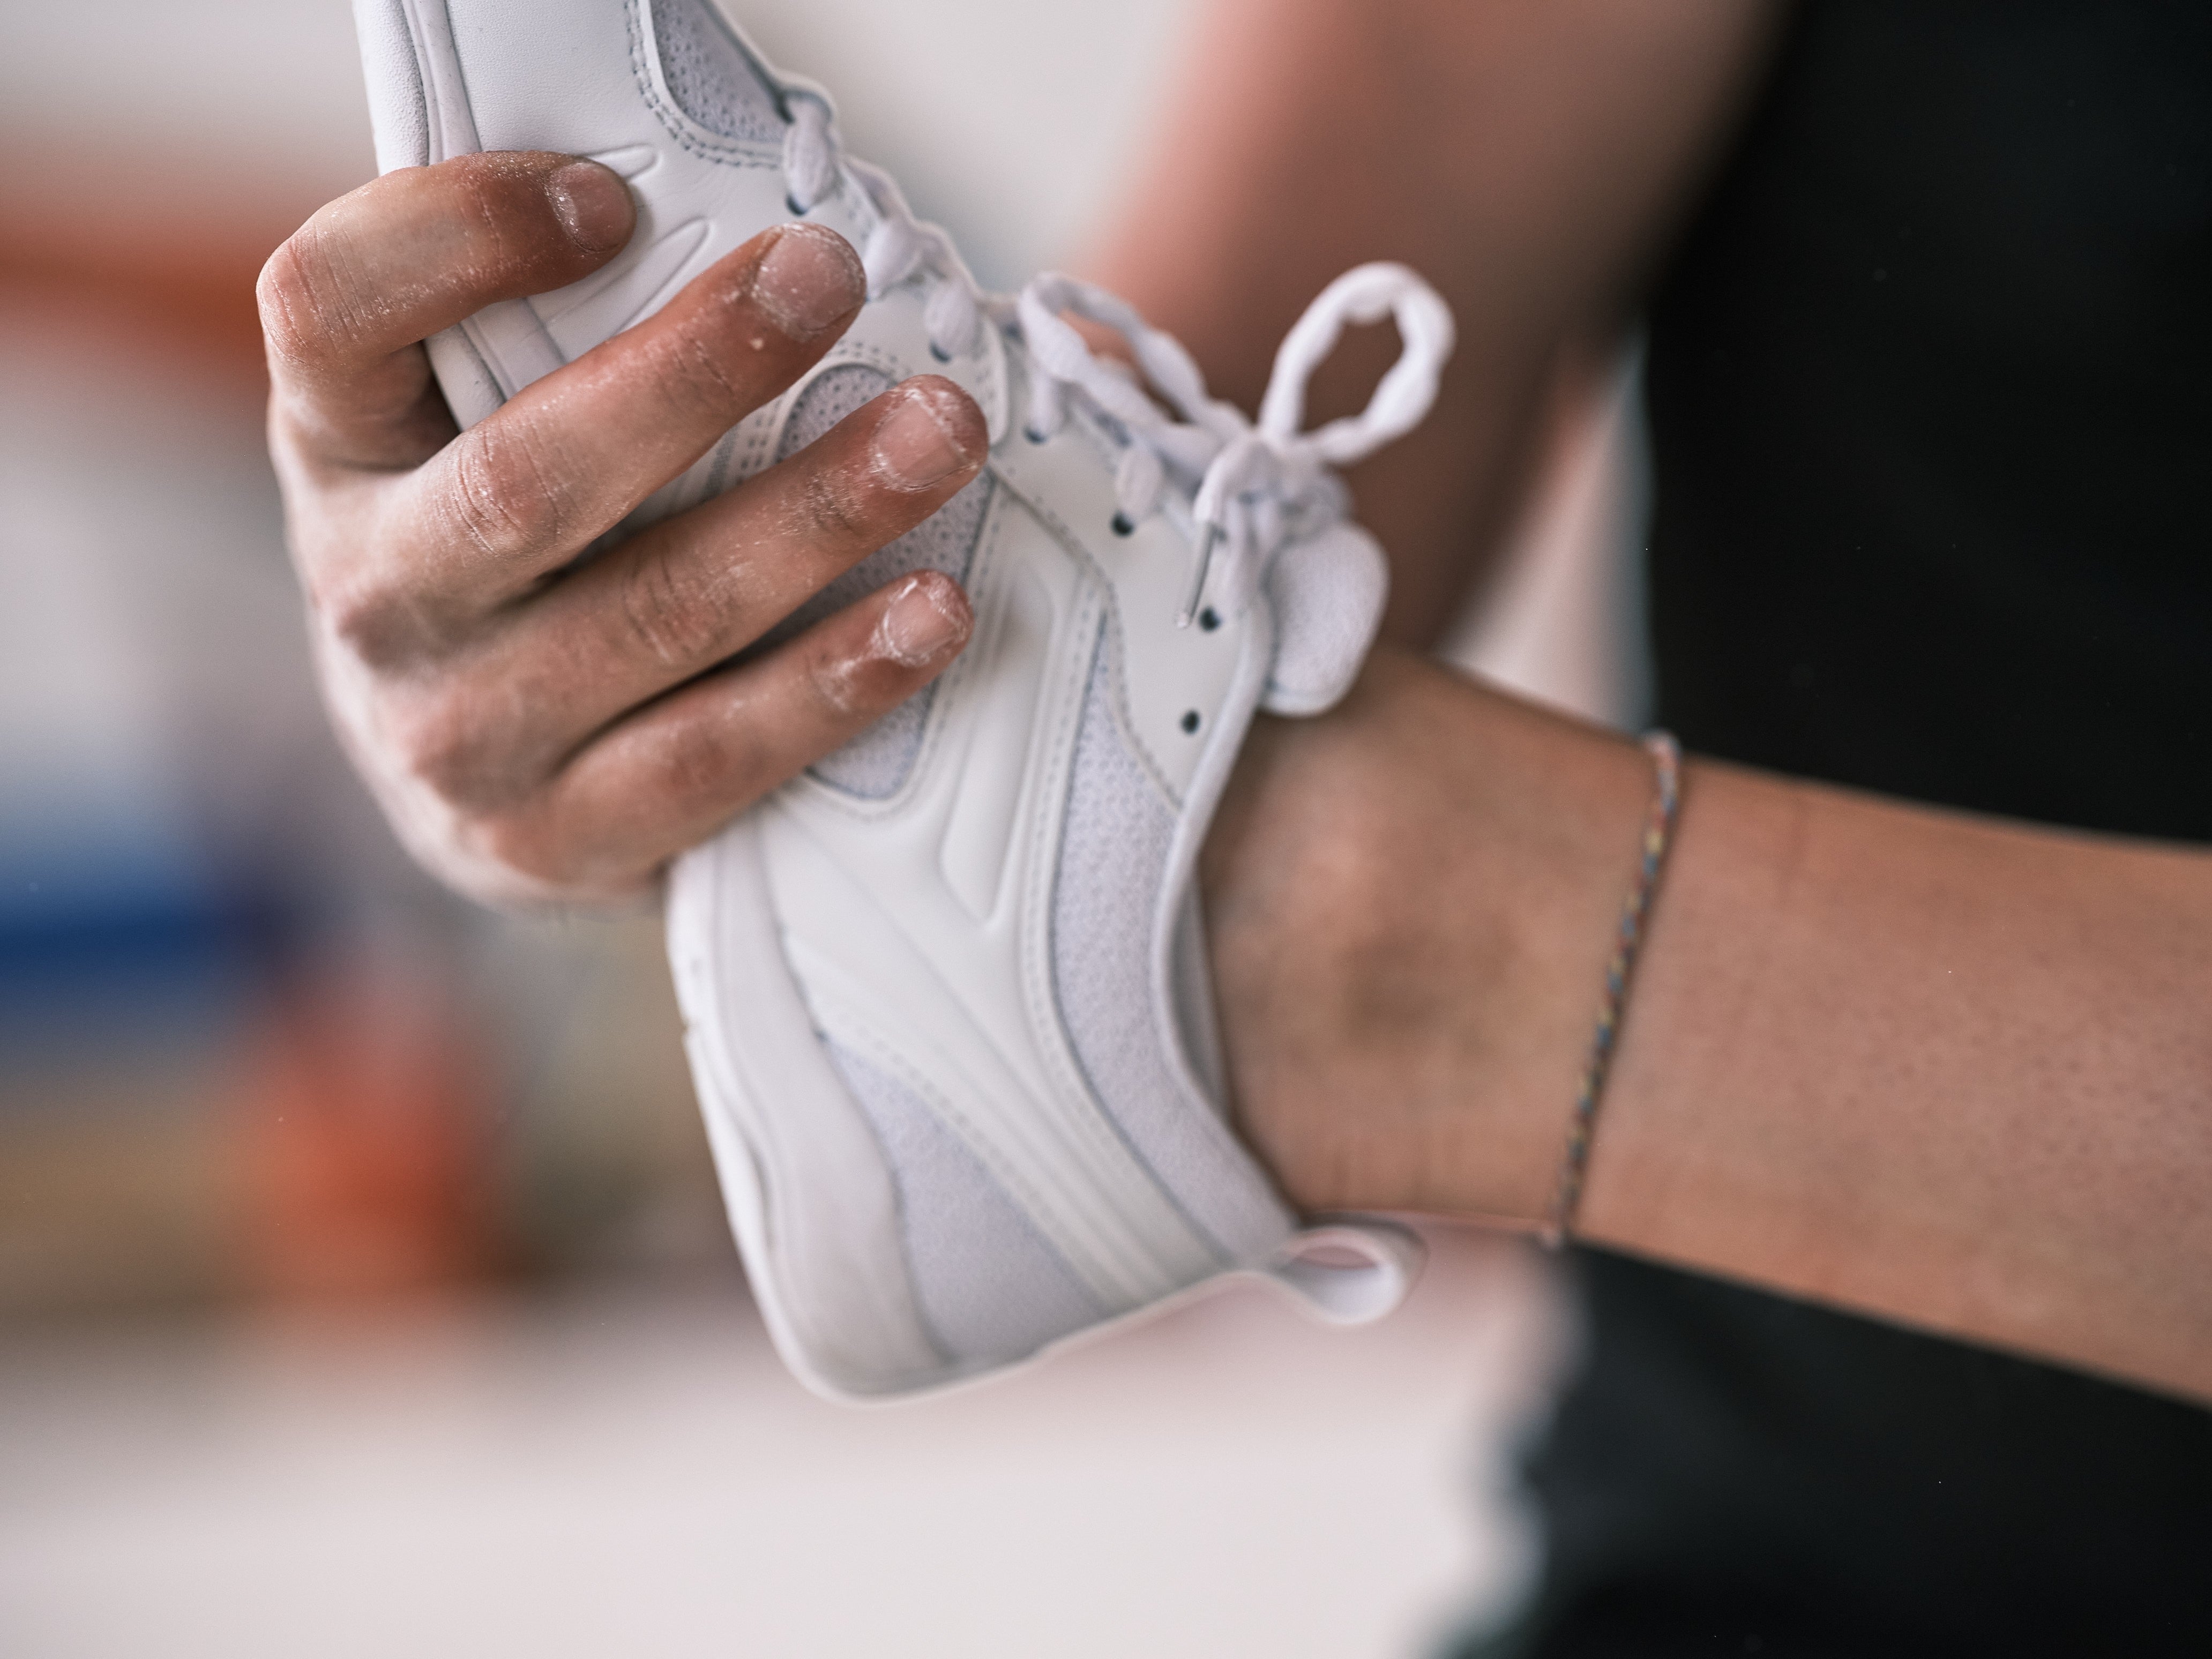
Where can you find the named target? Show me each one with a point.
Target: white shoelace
(1253, 487)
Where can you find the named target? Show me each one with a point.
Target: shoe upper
(947, 991)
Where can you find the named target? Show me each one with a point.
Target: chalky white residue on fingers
(918, 623)
(942, 403)
(790, 289)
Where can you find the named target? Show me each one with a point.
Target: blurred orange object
(366, 1138)
(114, 244)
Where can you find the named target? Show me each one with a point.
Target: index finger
(346, 300)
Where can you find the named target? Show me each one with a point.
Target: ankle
(1410, 901)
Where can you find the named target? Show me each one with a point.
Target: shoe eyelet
(792, 202)
(1124, 524)
(1209, 619)
(1033, 434)
(1190, 720)
(939, 353)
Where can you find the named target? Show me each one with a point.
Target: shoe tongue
(1327, 592)
(713, 77)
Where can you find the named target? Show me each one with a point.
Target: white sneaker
(946, 994)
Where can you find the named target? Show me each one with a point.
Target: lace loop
(901, 245)
(1366, 294)
(954, 319)
(809, 151)
(1253, 487)
(1140, 478)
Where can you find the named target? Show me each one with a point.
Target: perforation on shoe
(708, 75)
(1253, 487)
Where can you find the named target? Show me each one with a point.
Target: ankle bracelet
(1658, 831)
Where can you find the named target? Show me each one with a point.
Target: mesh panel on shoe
(1112, 858)
(875, 764)
(709, 78)
(991, 1288)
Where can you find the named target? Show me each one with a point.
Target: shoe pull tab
(1349, 1272)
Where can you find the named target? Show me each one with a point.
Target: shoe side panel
(990, 1285)
(1178, 680)
(880, 909)
(1117, 908)
(1179, 702)
(585, 77)
(810, 1196)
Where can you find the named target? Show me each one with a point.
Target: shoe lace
(1252, 486)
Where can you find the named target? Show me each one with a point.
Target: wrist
(1411, 901)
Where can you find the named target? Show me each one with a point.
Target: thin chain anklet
(1658, 829)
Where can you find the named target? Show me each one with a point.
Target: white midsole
(812, 1201)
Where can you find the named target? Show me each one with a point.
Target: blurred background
(362, 1280)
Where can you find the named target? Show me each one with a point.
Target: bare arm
(1947, 1070)
(1525, 155)
(1941, 1068)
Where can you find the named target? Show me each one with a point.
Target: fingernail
(808, 279)
(914, 446)
(592, 205)
(924, 620)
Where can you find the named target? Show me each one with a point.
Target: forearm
(1949, 1071)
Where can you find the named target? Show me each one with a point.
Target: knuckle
(468, 737)
(708, 761)
(521, 842)
(312, 310)
(839, 683)
(504, 498)
(694, 381)
(832, 510)
(539, 857)
(370, 599)
(286, 297)
(439, 746)
(368, 621)
(501, 198)
(672, 614)
(368, 627)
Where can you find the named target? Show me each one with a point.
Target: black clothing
(1930, 396)
(1929, 387)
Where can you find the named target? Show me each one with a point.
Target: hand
(534, 727)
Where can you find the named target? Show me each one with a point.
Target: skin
(536, 730)
(1943, 1070)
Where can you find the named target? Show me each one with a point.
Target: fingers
(512, 706)
(522, 493)
(346, 299)
(683, 596)
(673, 773)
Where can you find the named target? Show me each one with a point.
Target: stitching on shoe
(761, 429)
(1042, 874)
(723, 457)
(1092, 1121)
(1095, 568)
(1204, 1236)
(685, 131)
